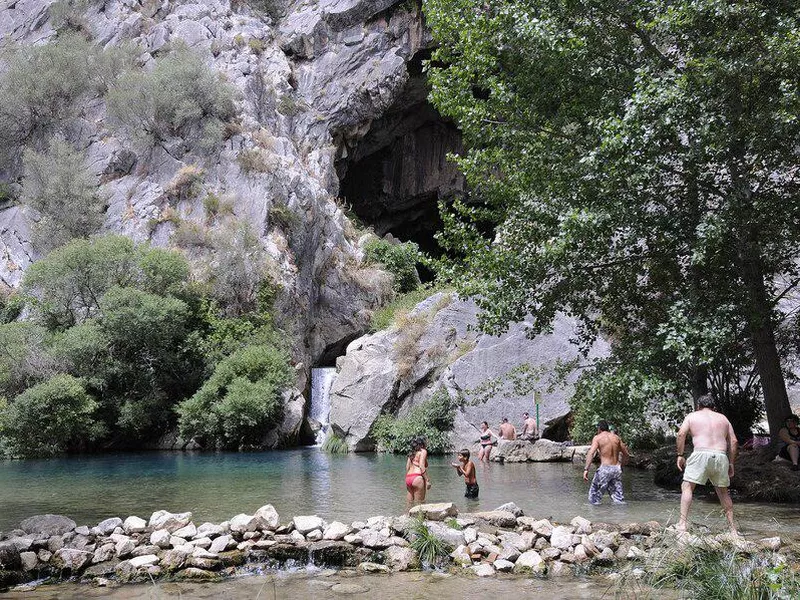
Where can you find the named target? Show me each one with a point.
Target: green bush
(386, 316)
(432, 419)
(24, 360)
(723, 573)
(399, 259)
(67, 285)
(624, 397)
(49, 418)
(41, 84)
(333, 444)
(58, 184)
(240, 402)
(430, 549)
(181, 97)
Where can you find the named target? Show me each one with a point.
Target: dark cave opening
(395, 175)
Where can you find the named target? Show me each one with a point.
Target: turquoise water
(348, 487)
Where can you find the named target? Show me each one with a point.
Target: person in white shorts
(712, 459)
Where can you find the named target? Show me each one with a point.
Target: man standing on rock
(529, 429)
(608, 478)
(507, 431)
(713, 456)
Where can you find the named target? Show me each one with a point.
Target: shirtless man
(608, 478)
(713, 456)
(507, 431)
(529, 430)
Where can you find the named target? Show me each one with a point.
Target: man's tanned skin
(507, 431)
(613, 455)
(711, 433)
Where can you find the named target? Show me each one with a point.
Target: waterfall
(321, 382)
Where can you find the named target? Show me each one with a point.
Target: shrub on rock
(241, 401)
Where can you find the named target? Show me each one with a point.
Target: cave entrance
(394, 176)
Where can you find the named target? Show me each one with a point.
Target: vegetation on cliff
(119, 334)
(633, 165)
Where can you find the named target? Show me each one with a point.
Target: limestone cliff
(312, 79)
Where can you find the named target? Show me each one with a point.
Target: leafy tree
(68, 285)
(49, 418)
(24, 360)
(59, 186)
(629, 162)
(241, 401)
(180, 96)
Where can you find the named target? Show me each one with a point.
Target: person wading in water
(713, 456)
(417, 482)
(608, 478)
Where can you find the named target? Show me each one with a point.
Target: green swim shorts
(703, 465)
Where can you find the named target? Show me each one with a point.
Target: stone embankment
(172, 546)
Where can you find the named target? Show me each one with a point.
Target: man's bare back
(613, 450)
(507, 431)
(709, 430)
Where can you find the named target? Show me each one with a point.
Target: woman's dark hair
(484, 423)
(792, 418)
(417, 444)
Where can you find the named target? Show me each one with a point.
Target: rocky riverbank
(171, 546)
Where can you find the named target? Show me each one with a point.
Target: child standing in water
(466, 469)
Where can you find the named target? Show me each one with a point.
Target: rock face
(392, 371)
(323, 90)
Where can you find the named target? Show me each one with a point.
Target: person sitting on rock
(507, 431)
(466, 468)
(529, 430)
(790, 441)
(608, 478)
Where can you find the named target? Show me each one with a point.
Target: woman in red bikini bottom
(417, 482)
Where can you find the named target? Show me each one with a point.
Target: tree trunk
(762, 337)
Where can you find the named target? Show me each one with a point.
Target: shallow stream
(348, 487)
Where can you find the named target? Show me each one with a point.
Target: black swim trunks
(472, 490)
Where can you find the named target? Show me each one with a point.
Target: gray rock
(530, 562)
(173, 560)
(268, 518)
(202, 542)
(221, 544)
(9, 555)
(400, 559)
(124, 548)
(371, 567)
(563, 538)
(193, 573)
(28, 560)
(109, 525)
(134, 525)
(581, 525)
(44, 555)
(209, 530)
(241, 523)
(104, 553)
(503, 566)
(186, 532)
(483, 570)
(498, 518)
(314, 536)
(84, 531)
(329, 553)
(307, 524)
(145, 549)
(55, 543)
(144, 561)
(512, 508)
(434, 512)
(163, 519)
(160, 538)
(461, 556)
(336, 531)
(70, 559)
(450, 536)
(48, 525)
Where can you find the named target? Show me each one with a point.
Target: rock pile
(171, 545)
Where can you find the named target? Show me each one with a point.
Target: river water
(319, 585)
(347, 487)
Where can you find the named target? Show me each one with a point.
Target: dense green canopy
(633, 164)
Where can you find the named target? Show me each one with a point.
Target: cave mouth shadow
(394, 177)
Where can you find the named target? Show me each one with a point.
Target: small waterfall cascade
(321, 381)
